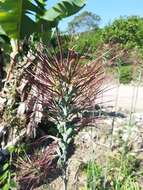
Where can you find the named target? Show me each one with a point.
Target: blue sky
(108, 10)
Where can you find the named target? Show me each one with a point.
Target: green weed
(120, 174)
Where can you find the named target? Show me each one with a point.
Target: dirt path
(125, 97)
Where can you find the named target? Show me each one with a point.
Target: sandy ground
(125, 97)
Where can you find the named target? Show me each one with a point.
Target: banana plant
(21, 18)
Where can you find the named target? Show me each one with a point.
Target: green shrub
(127, 31)
(125, 74)
(88, 41)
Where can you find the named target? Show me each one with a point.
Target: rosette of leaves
(67, 86)
(36, 167)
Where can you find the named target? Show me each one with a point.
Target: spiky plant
(65, 87)
(33, 169)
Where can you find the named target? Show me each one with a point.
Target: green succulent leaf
(69, 140)
(67, 134)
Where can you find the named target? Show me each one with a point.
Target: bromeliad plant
(66, 87)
